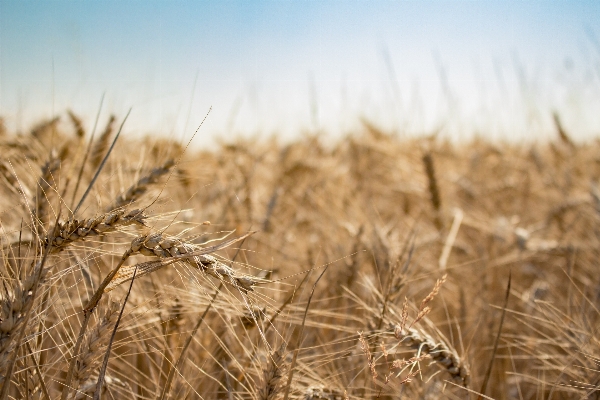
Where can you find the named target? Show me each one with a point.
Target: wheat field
(374, 266)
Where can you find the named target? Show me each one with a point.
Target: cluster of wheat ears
(373, 266)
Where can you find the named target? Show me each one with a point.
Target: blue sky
(492, 67)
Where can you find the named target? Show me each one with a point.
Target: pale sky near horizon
(496, 68)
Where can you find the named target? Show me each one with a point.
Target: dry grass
(419, 236)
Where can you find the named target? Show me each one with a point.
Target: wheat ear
(434, 191)
(141, 186)
(95, 342)
(17, 324)
(439, 351)
(39, 130)
(88, 309)
(45, 182)
(76, 230)
(102, 143)
(170, 250)
(13, 303)
(273, 375)
(77, 124)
